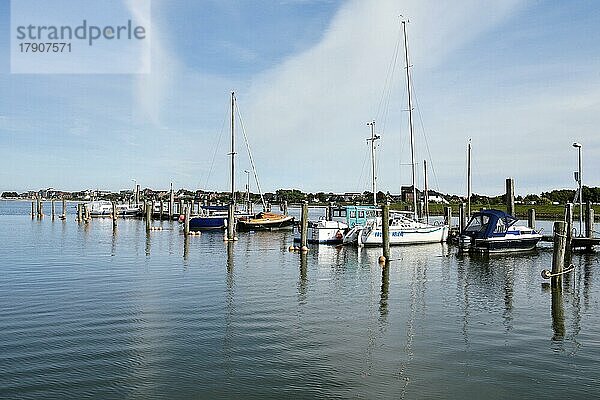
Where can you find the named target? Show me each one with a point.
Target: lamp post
(580, 193)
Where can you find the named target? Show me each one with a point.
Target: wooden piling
(171, 202)
(79, 213)
(162, 212)
(32, 209)
(148, 216)
(152, 212)
(52, 210)
(589, 220)
(531, 218)
(385, 230)
(304, 225)
(114, 214)
(448, 216)
(510, 196)
(558, 255)
(186, 222)
(285, 207)
(461, 217)
(569, 224)
(64, 208)
(231, 222)
(330, 211)
(87, 215)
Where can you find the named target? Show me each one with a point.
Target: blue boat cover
(488, 229)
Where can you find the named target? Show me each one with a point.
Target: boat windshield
(479, 223)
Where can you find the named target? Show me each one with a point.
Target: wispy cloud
(316, 103)
(152, 88)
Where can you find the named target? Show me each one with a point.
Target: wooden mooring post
(114, 214)
(510, 196)
(32, 209)
(559, 253)
(285, 207)
(148, 216)
(162, 207)
(231, 222)
(304, 227)
(589, 220)
(40, 207)
(448, 216)
(385, 232)
(64, 208)
(171, 202)
(79, 212)
(531, 218)
(186, 222)
(52, 210)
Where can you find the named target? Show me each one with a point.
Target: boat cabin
(489, 223)
(358, 215)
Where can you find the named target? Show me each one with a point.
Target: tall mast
(410, 123)
(373, 138)
(232, 148)
(426, 191)
(469, 179)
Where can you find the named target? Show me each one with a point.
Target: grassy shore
(545, 211)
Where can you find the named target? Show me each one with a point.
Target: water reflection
(303, 281)
(113, 242)
(385, 287)
(558, 314)
(148, 244)
(186, 247)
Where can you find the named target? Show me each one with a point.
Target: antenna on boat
(410, 121)
(372, 139)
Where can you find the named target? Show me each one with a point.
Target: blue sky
(521, 79)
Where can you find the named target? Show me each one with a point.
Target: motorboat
(324, 231)
(403, 230)
(494, 231)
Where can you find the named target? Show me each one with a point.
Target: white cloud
(307, 116)
(152, 88)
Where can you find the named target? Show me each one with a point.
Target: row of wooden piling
(37, 208)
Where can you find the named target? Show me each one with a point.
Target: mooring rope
(547, 274)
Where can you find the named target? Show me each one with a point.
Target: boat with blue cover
(494, 231)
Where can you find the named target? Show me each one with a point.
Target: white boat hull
(404, 236)
(325, 232)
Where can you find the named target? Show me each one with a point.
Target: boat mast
(425, 191)
(232, 148)
(410, 123)
(373, 138)
(469, 180)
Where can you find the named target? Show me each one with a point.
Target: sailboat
(215, 217)
(404, 228)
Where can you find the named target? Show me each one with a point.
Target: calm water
(85, 313)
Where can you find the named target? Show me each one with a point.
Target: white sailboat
(404, 228)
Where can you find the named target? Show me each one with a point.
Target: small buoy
(381, 259)
(546, 274)
(291, 248)
(304, 249)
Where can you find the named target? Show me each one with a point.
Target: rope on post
(547, 274)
